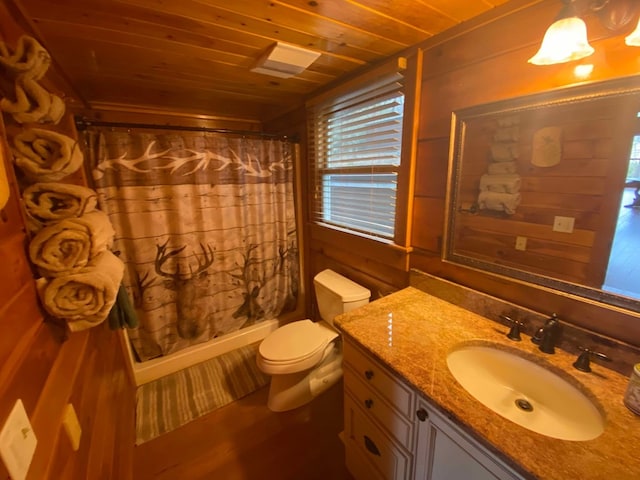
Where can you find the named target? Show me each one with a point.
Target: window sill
(368, 245)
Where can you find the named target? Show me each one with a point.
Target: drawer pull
(371, 446)
(422, 414)
(368, 403)
(368, 374)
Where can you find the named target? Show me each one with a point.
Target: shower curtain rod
(83, 124)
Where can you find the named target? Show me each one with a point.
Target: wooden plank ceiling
(195, 56)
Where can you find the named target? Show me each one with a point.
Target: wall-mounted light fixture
(566, 39)
(633, 39)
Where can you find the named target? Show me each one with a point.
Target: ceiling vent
(284, 60)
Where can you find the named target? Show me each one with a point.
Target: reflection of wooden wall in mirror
(480, 63)
(585, 184)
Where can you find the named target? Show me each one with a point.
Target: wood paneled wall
(382, 267)
(486, 64)
(593, 139)
(48, 368)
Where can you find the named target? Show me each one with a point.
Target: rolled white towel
(499, 202)
(508, 183)
(49, 202)
(499, 168)
(71, 244)
(83, 299)
(33, 103)
(44, 155)
(29, 58)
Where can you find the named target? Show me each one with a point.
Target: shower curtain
(205, 224)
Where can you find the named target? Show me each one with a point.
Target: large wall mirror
(546, 189)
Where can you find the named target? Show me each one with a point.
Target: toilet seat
(296, 346)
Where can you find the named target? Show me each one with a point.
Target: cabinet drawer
(358, 465)
(375, 375)
(373, 404)
(376, 448)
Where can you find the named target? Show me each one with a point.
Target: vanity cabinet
(379, 412)
(392, 433)
(445, 452)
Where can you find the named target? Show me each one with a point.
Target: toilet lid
(296, 341)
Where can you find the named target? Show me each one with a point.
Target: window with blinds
(355, 145)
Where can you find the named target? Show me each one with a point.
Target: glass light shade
(564, 41)
(633, 39)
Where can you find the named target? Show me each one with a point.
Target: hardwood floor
(623, 269)
(246, 441)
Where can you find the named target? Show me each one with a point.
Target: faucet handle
(552, 320)
(551, 323)
(514, 331)
(537, 336)
(583, 361)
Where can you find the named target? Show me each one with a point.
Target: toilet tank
(337, 294)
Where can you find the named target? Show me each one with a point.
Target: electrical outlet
(72, 426)
(521, 243)
(17, 442)
(563, 224)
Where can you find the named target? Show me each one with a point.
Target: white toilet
(305, 357)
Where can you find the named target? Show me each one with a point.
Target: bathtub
(145, 372)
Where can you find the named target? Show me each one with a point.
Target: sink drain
(524, 405)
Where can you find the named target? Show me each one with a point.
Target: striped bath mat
(169, 402)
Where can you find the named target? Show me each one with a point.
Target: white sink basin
(525, 392)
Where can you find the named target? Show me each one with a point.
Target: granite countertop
(425, 328)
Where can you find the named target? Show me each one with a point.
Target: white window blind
(355, 146)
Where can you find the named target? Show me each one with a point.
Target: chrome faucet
(547, 336)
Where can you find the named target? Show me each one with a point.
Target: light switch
(521, 243)
(17, 442)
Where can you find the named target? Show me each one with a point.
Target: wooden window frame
(411, 65)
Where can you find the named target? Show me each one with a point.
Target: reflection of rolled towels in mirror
(547, 147)
(508, 121)
(498, 168)
(504, 152)
(508, 183)
(511, 134)
(499, 202)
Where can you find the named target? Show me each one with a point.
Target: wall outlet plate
(72, 426)
(17, 442)
(563, 224)
(521, 243)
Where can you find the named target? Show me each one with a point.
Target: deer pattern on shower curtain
(191, 318)
(205, 224)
